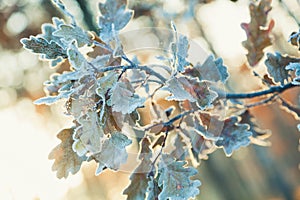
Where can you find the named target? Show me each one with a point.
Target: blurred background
(28, 132)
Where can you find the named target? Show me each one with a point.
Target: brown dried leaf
(257, 31)
(66, 160)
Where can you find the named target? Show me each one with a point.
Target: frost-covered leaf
(139, 178)
(233, 136)
(296, 68)
(88, 135)
(259, 136)
(175, 179)
(51, 50)
(180, 53)
(177, 91)
(100, 61)
(257, 31)
(123, 99)
(52, 99)
(63, 8)
(114, 15)
(276, 66)
(211, 70)
(190, 89)
(49, 29)
(78, 107)
(76, 59)
(113, 152)
(66, 160)
(68, 33)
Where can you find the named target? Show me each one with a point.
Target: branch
(87, 15)
(288, 10)
(131, 66)
(273, 89)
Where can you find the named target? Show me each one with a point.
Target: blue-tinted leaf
(54, 63)
(113, 14)
(66, 160)
(295, 67)
(113, 152)
(63, 8)
(53, 99)
(49, 29)
(175, 179)
(233, 136)
(276, 66)
(68, 33)
(180, 52)
(40, 46)
(211, 70)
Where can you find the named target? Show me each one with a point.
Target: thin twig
(263, 102)
(290, 107)
(87, 15)
(131, 66)
(287, 9)
(204, 36)
(273, 89)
